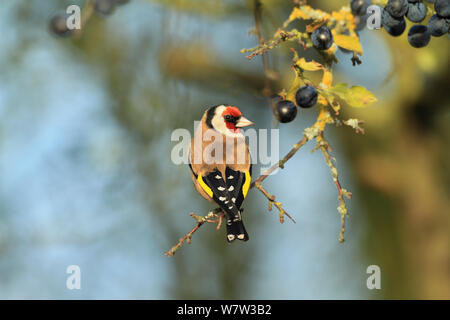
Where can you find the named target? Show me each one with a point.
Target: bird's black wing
(214, 185)
(229, 193)
(239, 183)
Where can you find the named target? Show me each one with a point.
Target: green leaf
(340, 90)
(356, 96)
(360, 97)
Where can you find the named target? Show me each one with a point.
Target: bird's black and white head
(227, 120)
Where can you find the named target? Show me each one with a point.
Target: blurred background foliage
(87, 179)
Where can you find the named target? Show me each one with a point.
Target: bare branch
(273, 202)
(342, 209)
(211, 217)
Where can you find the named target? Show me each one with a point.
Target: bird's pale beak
(243, 122)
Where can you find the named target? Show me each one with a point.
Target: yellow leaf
(327, 78)
(322, 100)
(297, 14)
(312, 65)
(348, 42)
(305, 12)
(342, 15)
(309, 66)
(293, 89)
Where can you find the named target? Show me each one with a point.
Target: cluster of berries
(286, 111)
(58, 23)
(394, 13)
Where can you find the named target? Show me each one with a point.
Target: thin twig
(264, 47)
(273, 202)
(219, 223)
(342, 209)
(200, 221)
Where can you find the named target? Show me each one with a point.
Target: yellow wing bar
(246, 185)
(204, 186)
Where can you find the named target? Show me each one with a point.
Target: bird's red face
(234, 120)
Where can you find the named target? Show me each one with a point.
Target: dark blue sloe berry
(398, 29)
(419, 36)
(58, 25)
(285, 111)
(397, 8)
(389, 21)
(442, 8)
(416, 12)
(359, 7)
(438, 26)
(322, 38)
(104, 7)
(306, 97)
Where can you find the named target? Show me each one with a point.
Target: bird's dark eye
(229, 118)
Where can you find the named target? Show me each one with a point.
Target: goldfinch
(220, 164)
